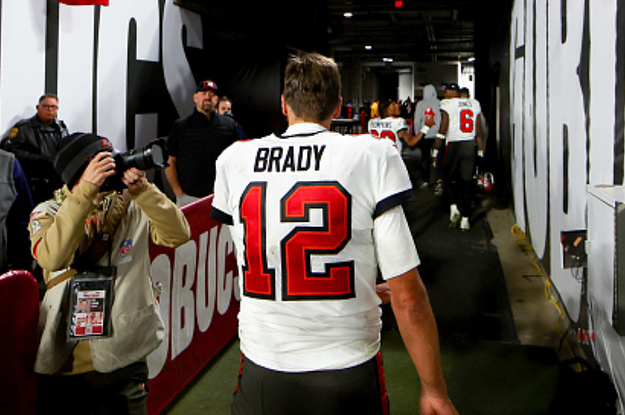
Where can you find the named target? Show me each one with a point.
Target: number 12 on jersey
(297, 248)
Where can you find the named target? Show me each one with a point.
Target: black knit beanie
(75, 152)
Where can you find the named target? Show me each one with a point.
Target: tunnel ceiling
(412, 30)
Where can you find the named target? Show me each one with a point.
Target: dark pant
(357, 390)
(458, 172)
(122, 392)
(429, 174)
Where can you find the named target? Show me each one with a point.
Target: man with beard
(194, 144)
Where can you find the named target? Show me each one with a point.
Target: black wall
(492, 69)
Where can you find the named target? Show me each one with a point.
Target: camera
(152, 156)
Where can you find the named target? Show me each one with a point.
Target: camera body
(153, 156)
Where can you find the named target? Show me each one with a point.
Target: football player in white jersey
(313, 215)
(461, 129)
(391, 126)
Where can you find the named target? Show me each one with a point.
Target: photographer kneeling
(100, 316)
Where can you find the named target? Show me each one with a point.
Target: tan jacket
(59, 228)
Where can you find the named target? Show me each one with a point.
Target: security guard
(34, 141)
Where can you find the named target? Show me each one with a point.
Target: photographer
(104, 234)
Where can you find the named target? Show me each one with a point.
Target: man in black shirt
(194, 144)
(34, 141)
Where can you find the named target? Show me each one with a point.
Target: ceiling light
(472, 59)
(368, 47)
(388, 60)
(348, 15)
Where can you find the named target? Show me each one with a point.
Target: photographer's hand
(135, 180)
(100, 168)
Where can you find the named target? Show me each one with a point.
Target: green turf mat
(483, 377)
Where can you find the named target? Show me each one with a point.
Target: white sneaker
(438, 188)
(454, 216)
(464, 224)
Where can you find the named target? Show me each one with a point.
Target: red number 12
(299, 282)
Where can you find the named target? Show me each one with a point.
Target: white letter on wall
(225, 247)
(536, 136)
(178, 75)
(206, 276)
(517, 78)
(113, 60)
(567, 132)
(182, 299)
(161, 275)
(76, 59)
(22, 59)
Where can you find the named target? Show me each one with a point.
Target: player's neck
(296, 120)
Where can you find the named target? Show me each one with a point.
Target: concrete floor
(535, 318)
(538, 321)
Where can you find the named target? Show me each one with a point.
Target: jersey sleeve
(401, 124)
(221, 211)
(478, 107)
(444, 105)
(393, 183)
(394, 245)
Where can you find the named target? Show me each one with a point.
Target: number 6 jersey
(463, 115)
(314, 214)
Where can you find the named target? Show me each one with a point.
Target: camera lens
(152, 156)
(157, 155)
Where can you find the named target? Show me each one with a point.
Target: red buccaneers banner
(199, 300)
(85, 2)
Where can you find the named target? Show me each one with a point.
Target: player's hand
(436, 406)
(384, 292)
(100, 168)
(135, 180)
(429, 120)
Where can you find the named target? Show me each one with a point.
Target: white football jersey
(304, 208)
(463, 115)
(388, 128)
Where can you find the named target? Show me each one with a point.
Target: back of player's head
(312, 86)
(383, 108)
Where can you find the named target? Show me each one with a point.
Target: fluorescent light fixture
(472, 59)
(348, 15)
(368, 47)
(387, 60)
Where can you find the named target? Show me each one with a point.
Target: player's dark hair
(312, 86)
(383, 108)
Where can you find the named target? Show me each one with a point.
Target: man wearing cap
(85, 230)
(194, 144)
(33, 141)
